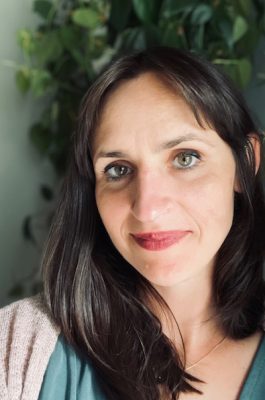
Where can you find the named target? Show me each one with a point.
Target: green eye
(116, 172)
(186, 159)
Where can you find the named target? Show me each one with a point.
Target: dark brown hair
(94, 294)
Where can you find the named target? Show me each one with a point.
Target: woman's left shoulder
(28, 336)
(70, 376)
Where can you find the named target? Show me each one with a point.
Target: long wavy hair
(95, 296)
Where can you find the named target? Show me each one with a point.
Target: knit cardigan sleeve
(27, 339)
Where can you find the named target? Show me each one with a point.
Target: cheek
(113, 209)
(213, 201)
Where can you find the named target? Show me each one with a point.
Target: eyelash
(184, 153)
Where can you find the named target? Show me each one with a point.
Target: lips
(156, 241)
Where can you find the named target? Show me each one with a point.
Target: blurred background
(50, 52)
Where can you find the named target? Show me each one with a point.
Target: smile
(156, 241)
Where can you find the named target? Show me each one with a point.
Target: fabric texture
(68, 377)
(254, 386)
(27, 339)
(37, 364)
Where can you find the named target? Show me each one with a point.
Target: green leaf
(199, 37)
(41, 81)
(238, 69)
(100, 63)
(240, 28)
(172, 8)
(244, 71)
(229, 67)
(131, 39)
(96, 43)
(48, 48)
(26, 41)
(79, 57)
(201, 14)
(170, 35)
(175, 36)
(119, 14)
(249, 43)
(86, 17)
(23, 79)
(146, 10)
(43, 8)
(70, 36)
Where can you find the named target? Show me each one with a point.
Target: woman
(153, 268)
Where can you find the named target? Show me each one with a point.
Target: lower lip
(160, 244)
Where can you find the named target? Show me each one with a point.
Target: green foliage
(76, 39)
(146, 10)
(240, 28)
(87, 18)
(43, 8)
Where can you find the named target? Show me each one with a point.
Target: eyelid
(193, 152)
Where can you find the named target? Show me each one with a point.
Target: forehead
(145, 104)
(133, 93)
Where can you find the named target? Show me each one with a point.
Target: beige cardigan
(27, 339)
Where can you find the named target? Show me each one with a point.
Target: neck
(192, 307)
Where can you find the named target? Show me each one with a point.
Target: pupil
(120, 170)
(185, 160)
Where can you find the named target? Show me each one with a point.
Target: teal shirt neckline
(68, 377)
(254, 385)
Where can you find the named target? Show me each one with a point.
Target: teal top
(68, 377)
(254, 386)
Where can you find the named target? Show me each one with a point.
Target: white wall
(21, 168)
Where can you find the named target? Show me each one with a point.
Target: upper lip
(159, 235)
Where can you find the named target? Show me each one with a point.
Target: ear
(254, 141)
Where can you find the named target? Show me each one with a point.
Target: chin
(163, 274)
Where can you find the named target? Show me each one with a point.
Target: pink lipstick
(155, 241)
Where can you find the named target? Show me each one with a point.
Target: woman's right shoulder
(26, 319)
(28, 336)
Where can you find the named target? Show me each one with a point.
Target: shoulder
(27, 339)
(70, 376)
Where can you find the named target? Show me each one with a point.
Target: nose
(151, 198)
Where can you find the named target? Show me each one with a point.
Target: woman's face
(164, 185)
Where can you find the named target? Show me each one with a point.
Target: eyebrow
(163, 146)
(181, 139)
